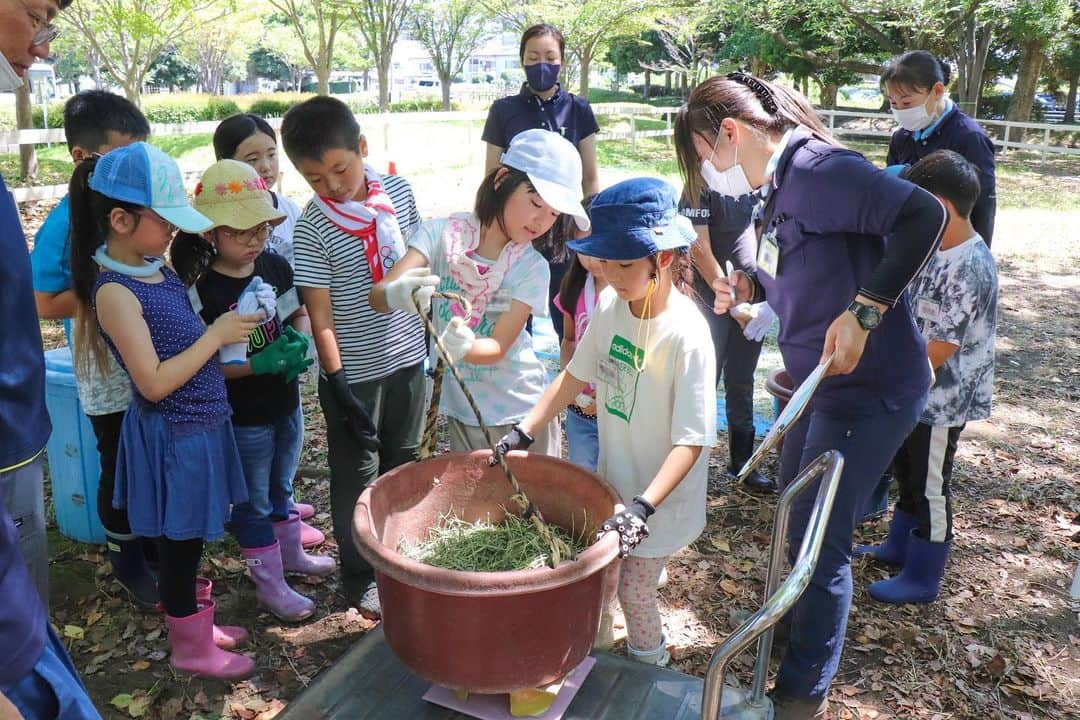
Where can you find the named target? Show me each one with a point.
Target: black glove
(357, 421)
(516, 439)
(630, 524)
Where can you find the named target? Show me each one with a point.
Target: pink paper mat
(497, 707)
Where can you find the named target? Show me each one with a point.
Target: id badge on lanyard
(768, 256)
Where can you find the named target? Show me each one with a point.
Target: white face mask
(912, 119)
(731, 182)
(8, 79)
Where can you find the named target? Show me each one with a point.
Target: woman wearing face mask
(837, 287)
(543, 103)
(929, 120)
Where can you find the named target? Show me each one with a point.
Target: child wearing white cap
(487, 257)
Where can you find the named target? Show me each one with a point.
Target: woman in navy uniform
(838, 288)
(929, 120)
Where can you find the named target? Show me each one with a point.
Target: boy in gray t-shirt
(955, 305)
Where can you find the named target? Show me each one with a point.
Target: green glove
(276, 358)
(297, 367)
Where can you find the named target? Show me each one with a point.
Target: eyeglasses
(44, 31)
(259, 233)
(158, 218)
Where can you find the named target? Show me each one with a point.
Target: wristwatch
(869, 317)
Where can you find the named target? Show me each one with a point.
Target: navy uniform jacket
(959, 133)
(564, 113)
(830, 209)
(24, 421)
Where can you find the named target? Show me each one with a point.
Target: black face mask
(542, 76)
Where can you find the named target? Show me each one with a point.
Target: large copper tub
(487, 632)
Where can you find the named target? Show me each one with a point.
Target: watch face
(869, 317)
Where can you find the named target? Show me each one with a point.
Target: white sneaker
(369, 605)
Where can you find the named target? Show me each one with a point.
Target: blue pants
(868, 442)
(270, 455)
(582, 440)
(52, 690)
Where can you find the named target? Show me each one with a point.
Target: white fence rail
(1006, 135)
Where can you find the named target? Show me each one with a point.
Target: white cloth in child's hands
(457, 339)
(258, 295)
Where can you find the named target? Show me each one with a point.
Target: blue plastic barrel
(74, 467)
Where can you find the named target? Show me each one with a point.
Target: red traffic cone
(392, 168)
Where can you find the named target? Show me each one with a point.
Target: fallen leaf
(121, 701)
(275, 707)
(730, 587)
(242, 712)
(139, 665)
(74, 632)
(139, 705)
(996, 667)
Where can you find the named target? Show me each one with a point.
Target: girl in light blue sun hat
(178, 469)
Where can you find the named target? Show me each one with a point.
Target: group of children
(197, 437)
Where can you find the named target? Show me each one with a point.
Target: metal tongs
(790, 415)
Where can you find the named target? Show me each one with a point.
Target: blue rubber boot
(129, 568)
(894, 550)
(920, 580)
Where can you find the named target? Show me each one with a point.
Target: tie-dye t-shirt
(505, 391)
(955, 301)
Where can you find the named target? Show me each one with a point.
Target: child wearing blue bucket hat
(649, 353)
(178, 469)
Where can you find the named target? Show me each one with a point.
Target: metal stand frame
(719, 701)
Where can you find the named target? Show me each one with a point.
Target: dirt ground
(1002, 641)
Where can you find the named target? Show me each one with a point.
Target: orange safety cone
(392, 168)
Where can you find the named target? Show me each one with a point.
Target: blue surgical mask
(542, 76)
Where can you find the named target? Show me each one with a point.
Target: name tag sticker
(607, 372)
(927, 309)
(768, 258)
(288, 304)
(499, 302)
(196, 301)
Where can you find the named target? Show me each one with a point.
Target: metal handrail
(778, 600)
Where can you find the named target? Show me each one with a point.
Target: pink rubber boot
(306, 511)
(226, 637)
(193, 650)
(310, 537)
(270, 586)
(293, 557)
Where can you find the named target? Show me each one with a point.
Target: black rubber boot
(741, 445)
(130, 570)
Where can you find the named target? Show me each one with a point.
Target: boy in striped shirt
(371, 387)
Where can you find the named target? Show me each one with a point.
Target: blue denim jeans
(270, 455)
(582, 440)
(868, 441)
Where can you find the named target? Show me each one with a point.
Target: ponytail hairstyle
(916, 70)
(766, 107)
(682, 271)
(90, 228)
(191, 255)
(572, 284)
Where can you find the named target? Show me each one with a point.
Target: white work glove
(399, 292)
(760, 323)
(252, 299)
(457, 339)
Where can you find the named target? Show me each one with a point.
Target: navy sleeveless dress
(178, 470)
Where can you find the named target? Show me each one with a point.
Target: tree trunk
(1023, 97)
(972, 51)
(667, 82)
(1070, 99)
(133, 90)
(382, 66)
(583, 83)
(322, 75)
(367, 79)
(648, 82)
(445, 79)
(24, 120)
(828, 95)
